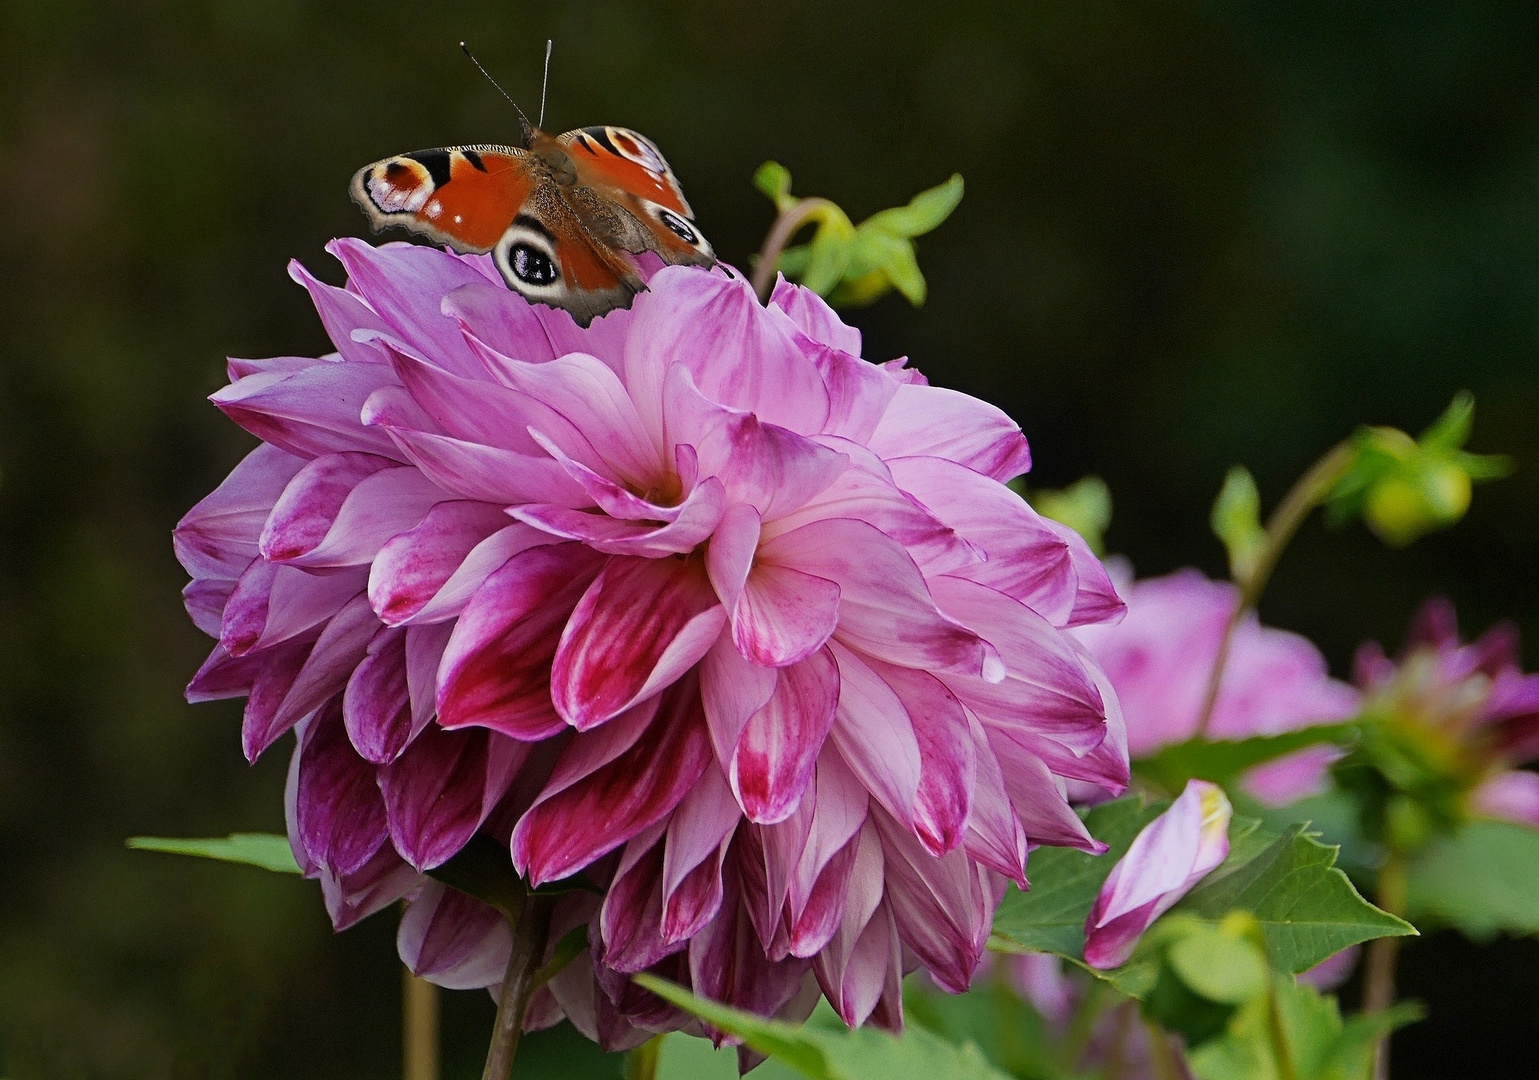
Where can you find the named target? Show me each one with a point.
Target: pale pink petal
(696, 520)
(304, 514)
(341, 313)
(732, 689)
(219, 536)
(377, 704)
(272, 603)
(415, 567)
(1511, 796)
(811, 313)
(947, 760)
(874, 736)
(928, 421)
(783, 616)
(730, 555)
(311, 412)
(487, 473)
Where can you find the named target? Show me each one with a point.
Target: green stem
(1379, 973)
(1281, 1051)
(1309, 492)
(530, 925)
(419, 1027)
(641, 1063)
(780, 234)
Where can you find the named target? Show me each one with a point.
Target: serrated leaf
(267, 850)
(1479, 880)
(1236, 520)
(924, 211)
(1221, 761)
(823, 1054)
(1307, 908)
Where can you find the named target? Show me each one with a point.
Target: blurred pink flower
(1161, 656)
(694, 602)
(1471, 707)
(1171, 854)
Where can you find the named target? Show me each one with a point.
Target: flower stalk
(785, 228)
(419, 1027)
(1383, 953)
(1309, 492)
(531, 926)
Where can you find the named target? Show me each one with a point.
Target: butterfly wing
(626, 170)
(499, 199)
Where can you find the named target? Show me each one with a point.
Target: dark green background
(1194, 234)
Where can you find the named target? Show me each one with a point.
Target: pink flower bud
(1172, 853)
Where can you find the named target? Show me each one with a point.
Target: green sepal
(1236, 520)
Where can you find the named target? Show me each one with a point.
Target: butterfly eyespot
(532, 266)
(678, 226)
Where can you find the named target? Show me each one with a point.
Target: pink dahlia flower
(1161, 656)
(693, 605)
(1468, 708)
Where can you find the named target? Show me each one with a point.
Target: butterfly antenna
(545, 81)
(528, 127)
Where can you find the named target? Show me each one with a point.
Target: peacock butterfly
(562, 215)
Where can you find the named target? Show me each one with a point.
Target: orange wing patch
(462, 196)
(620, 159)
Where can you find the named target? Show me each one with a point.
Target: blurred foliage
(1084, 506)
(1195, 233)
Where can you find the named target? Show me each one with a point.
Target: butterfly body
(562, 216)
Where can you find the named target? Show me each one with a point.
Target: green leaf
(267, 850)
(1236, 520)
(1307, 908)
(1480, 880)
(923, 213)
(1050, 916)
(1219, 966)
(1223, 760)
(1084, 506)
(829, 1054)
(1452, 430)
(828, 256)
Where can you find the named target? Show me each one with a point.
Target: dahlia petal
(533, 332)
(204, 601)
(495, 670)
(738, 355)
(340, 814)
(874, 736)
(840, 809)
(1095, 597)
(1036, 797)
(237, 368)
(341, 313)
(695, 902)
(376, 706)
(727, 963)
(305, 512)
(782, 616)
(263, 722)
(591, 400)
(380, 882)
(218, 537)
(696, 831)
(778, 749)
(224, 676)
(885, 609)
(640, 625)
(767, 856)
(853, 989)
(1026, 558)
(697, 519)
(487, 473)
(379, 507)
(1047, 689)
(310, 412)
(811, 313)
(732, 689)
(631, 918)
(947, 761)
(454, 940)
(425, 647)
(938, 904)
(929, 421)
(609, 496)
(1510, 796)
(338, 650)
(272, 603)
(729, 558)
(413, 568)
(995, 836)
(566, 830)
(859, 393)
(404, 284)
(815, 924)
(439, 791)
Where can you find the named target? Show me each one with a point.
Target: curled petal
(428, 572)
(311, 412)
(218, 538)
(928, 421)
(779, 746)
